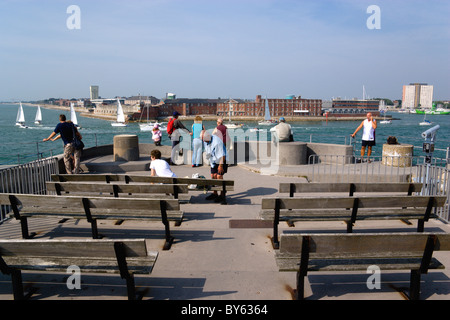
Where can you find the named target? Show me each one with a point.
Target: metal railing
(27, 178)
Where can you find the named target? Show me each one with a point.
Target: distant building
(94, 92)
(354, 107)
(417, 96)
(142, 100)
(291, 106)
(187, 107)
(184, 106)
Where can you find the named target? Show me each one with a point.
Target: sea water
(18, 145)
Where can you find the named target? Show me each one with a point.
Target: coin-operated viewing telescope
(428, 145)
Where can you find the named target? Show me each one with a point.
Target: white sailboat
(148, 126)
(267, 118)
(38, 117)
(425, 122)
(231, 125)
(73, 116)
(20, 119)
(385, 121)
(120, 122)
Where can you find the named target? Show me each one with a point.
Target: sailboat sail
(38, 118)
(120, 116)
(73, 115)
(20, 119)
(267, 118)
(267, 111)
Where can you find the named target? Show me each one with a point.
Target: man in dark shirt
(175, 137)
(223, 129)
(66, 130)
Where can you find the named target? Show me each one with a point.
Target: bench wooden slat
(138, 178)
(314, 187)
(172, 215)
(347, 202)
(88, 248)
(370, 244)
(290, 264)
(30, 200)
(338, 214)
(120, 188)
(60, 264)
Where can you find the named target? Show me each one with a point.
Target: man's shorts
(215, 169)
(367, 143)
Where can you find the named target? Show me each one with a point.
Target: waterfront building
(290, 106)
(353, 107)
(184, 106)
(142, 100)
(94, 92)
(189, 107)
(417, 96)
(108, 107)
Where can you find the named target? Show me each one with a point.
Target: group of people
(214, 144)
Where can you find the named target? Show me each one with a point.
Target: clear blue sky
(222, 48)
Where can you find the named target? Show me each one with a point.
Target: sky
(223, 48)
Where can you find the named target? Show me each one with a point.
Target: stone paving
(214, 258)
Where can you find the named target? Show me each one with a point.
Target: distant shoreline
(206, 117)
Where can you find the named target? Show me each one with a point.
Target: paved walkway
(212, 259)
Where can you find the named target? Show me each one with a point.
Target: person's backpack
(170, 127)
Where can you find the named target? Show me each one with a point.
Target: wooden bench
(349, 209)
(92, 209)
(117, 190)
(352, 252)
(350, 188)
(212, 184)
(127, 257)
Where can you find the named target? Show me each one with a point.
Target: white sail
(38, 118)
(73, 115)
(267, 111)
(120, 116)
(20, 119)
(267, 117)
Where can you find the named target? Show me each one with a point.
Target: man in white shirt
(160, 167)
(368, 137)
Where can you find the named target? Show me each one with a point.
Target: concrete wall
(330, 153)
(253, 152)
(290, 153)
